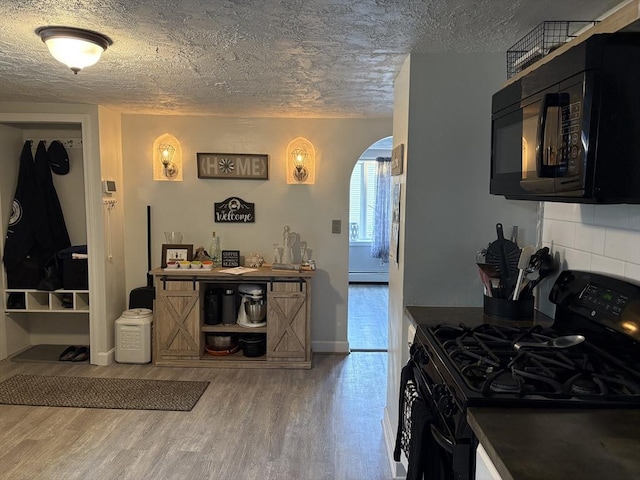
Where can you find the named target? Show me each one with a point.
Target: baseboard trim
(330, 347)
(369, 277)
(398, 469)
(104, 359)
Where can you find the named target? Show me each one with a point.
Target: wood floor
(368, 317)
(323, 423)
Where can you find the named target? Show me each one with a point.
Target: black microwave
(569, 131)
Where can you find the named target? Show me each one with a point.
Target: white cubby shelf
(42, 301)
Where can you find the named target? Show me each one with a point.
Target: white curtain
(381, 218)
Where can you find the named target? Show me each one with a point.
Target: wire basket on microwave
(541, 41)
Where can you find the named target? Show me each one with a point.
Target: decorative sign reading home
(234, 210)
(234, 166)
(230, 258)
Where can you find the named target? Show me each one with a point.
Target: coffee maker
(253, 307)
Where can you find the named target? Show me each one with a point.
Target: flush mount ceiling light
(77, 48)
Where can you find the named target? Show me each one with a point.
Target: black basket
(541, 41)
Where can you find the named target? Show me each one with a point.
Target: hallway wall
(187, 206)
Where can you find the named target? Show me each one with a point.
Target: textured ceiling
(293, 58)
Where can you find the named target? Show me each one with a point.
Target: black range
(587, 357)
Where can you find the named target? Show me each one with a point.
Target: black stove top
(484, 367)
(487, 361)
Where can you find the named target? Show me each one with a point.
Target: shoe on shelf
(68, 354)
(82, 354)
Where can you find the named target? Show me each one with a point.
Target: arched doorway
(368, 276)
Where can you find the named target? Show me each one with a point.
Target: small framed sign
(234, 210)
(397, 160)
(233, 166)
(230, 258)
(175, 253)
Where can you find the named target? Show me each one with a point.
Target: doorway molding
(93, 206)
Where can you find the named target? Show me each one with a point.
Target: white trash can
(133, 336)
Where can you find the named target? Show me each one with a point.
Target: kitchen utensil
(540, 266)
(220, 341)
(213, 306)
(523, 263)
(486, 281)
(219, 353)
(255, 310)
(254, 345)
(489, 270)
(504, 255)
(255, 294)
(229, 307)
(559, 342)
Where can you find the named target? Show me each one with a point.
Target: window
(362, 201)
(362, 191)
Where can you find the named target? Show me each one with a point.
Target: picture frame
(397, 160)
(230, 258)
(177, 252)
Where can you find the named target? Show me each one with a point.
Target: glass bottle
(214, 250)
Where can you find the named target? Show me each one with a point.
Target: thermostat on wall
(109, 186)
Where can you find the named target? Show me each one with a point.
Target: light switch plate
(336, 226)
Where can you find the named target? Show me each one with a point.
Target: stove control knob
(421, 357)
(438, 392)
(447, 406)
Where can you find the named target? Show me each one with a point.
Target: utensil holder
(521, 309)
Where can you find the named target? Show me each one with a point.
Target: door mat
(88, 392)
(43, 354)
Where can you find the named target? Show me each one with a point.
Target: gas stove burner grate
(491, 366)
(504, 382)
(586, 386)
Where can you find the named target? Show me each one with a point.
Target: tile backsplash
(597, 238)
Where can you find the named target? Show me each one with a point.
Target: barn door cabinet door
(177, 315)
(288, 332)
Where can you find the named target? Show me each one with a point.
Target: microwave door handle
(548, 100)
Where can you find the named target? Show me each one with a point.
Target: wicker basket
(542, 40)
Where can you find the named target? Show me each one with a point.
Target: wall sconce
(167, 158)
(77, 48)
(301, 162)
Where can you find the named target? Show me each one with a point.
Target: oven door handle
(442, 439)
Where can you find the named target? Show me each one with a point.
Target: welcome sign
(233, 166)
(234, 210)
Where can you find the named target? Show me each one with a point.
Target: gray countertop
(544, 443)
(536, 444)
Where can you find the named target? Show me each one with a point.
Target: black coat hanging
(52, 234)
(20, 235)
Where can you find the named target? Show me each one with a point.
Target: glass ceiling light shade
(77, 48)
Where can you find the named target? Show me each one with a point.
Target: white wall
(187, 206)
(12, 331)
(363, 267)
(442, 113)
(112, 223)
(598, 238)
